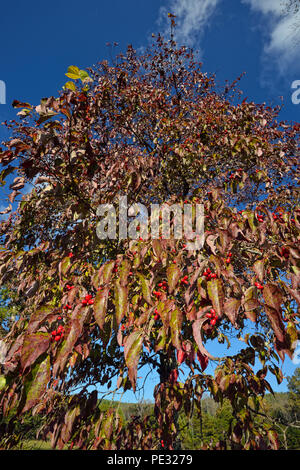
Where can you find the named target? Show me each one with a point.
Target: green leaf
(73, 72)
(124, 272)
(121, 303)
(36, 383)
(64, 265)
(70, 86)
(132, 351)
(2, 382)
(162, 339)
(105, 272)
(84, 75)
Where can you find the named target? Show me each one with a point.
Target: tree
(157, 129)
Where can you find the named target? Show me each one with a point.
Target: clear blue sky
(39, 40)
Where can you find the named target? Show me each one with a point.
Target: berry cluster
(116, 267)
(184, 280)
(57, 334)
(87, 300)
(258, 285)
(284, 252)
(228, 259)
(156, 315)
(212, 316)
(69, 287)
(157, 294)
(278, 217)
(209, 275)
(163, 285)
(260, 218)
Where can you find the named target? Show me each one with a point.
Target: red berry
(213, 322)
(57, 338)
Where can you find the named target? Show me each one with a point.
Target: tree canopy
(154, 127)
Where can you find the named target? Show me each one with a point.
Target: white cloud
(192, 17)
(281, 33)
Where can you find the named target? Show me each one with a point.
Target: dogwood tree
(156, 128)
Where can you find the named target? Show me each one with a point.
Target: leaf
(162, 339)
(35, 344)
(259, 269)
(197, 326)
(175, 325)
(107, 426)
(18, 183)
(105, 272)
(20, 104)
(124, 272)
(64, 265)
(146, 291)
(36, 383)
(70, 86)
(216, 295)
(38, 317)
(70, 417)
(276, 323)
(132, 351)
(2, 382)
(273, 296)
(274, 440)
(72, 334)
(100, 306)
(173, 276)
(121, 303)
(250, 301)
(84, 76)
(210, 240)
(203, 359)
(251, 220)
(231, 308)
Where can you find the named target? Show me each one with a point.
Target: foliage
(158, 129)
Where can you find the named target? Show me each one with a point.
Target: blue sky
(39, 40)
